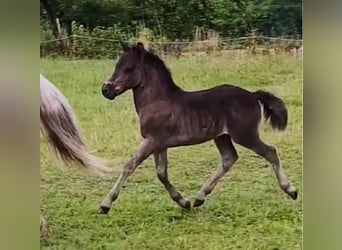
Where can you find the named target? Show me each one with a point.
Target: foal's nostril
(105, 90)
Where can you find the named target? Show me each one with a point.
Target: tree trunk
(51, 13)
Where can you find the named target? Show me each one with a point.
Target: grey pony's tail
(59, 126)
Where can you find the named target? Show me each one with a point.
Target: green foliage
(179, 18)
(100, 42)
(162, 20)
(103, 46)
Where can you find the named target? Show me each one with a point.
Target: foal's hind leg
(161, 167)
(270, 154)
(228, 157)
(145, 150)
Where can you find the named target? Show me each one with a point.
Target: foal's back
(220, 96)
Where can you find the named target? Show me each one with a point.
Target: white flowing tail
(59, 126)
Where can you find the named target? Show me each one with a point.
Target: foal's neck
(153, 89)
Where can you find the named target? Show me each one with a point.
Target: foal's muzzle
(108, 91)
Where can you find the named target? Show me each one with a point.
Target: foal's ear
(124, 46)
(140, 47)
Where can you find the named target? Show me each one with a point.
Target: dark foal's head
(127, 73)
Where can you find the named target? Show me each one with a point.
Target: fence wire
(77, 46)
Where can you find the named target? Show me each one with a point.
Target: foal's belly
(172, 142)
(195, 137)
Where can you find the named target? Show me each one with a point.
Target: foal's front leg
(145, 150)
(161, 167)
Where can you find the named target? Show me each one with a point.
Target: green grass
(246, 210)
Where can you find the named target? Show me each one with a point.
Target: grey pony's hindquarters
(274, 109)
(58, 124)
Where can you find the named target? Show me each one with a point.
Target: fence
(77, 46)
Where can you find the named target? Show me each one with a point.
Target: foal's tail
(274, 108)
(58, 124)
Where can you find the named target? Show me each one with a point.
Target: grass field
(247, 210)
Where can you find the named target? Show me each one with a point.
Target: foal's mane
(153, 61)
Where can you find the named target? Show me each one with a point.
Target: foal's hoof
(293, 195)
(185, 203)
(103, 210)
(198, 203)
